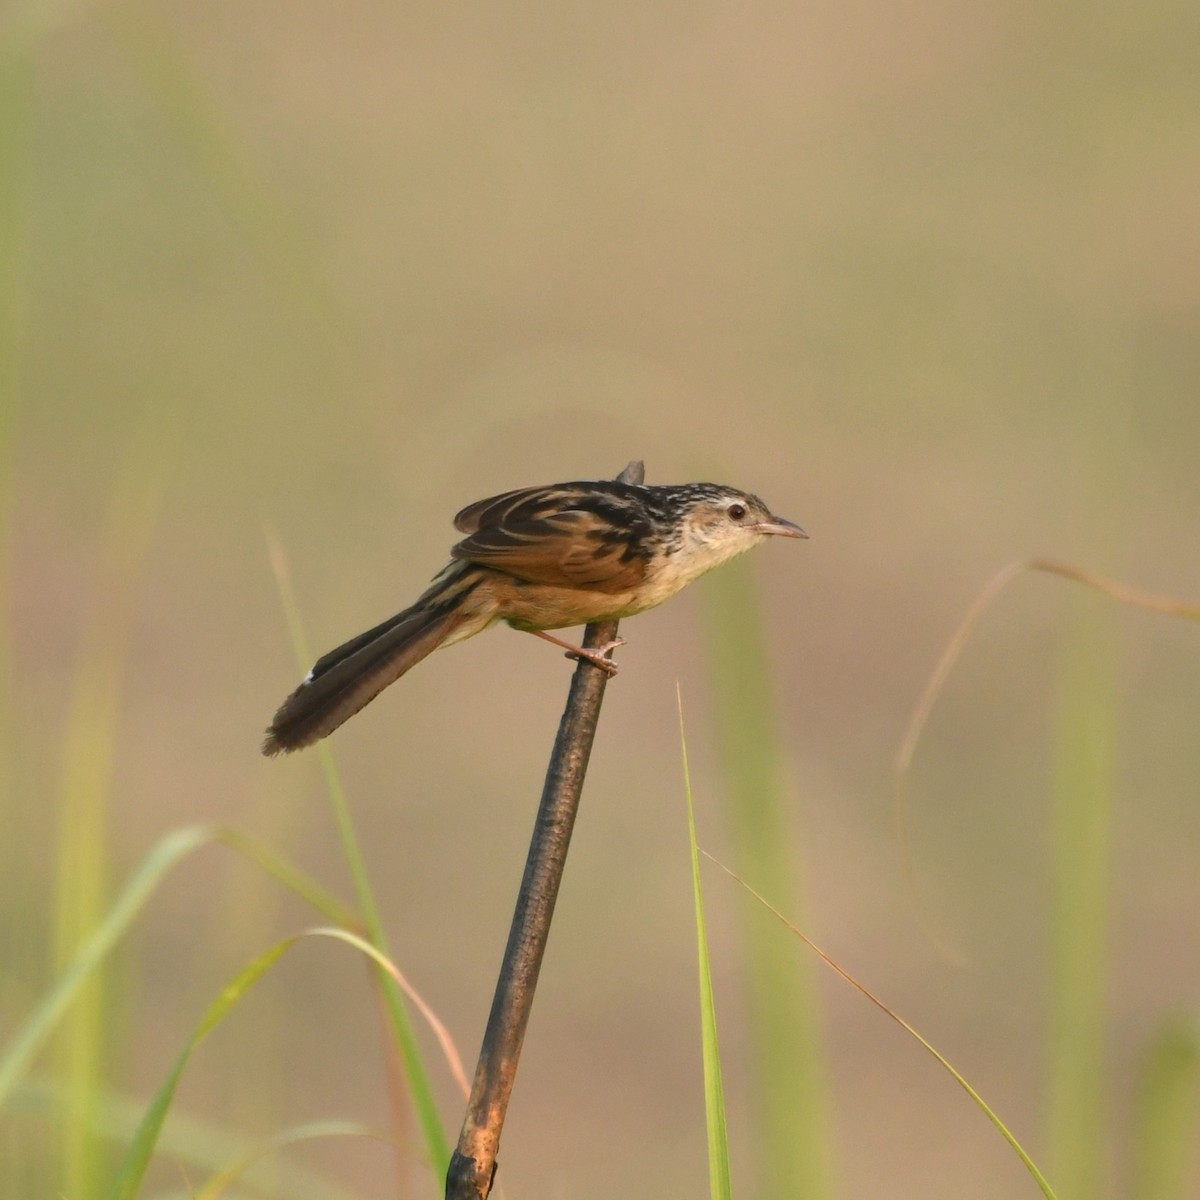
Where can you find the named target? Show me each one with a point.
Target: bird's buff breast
(545, 606)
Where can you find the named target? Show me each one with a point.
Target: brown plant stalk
(473, 1164)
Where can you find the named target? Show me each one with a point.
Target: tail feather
(346, 679)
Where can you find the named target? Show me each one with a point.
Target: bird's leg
(598, 657)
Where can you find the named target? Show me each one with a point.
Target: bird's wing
(495, 509)
(569, 536)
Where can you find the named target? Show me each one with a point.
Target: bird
(538, 558)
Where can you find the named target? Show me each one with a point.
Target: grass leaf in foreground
(141, 1149)
(714, 1094)
(197, 1146)
(137, 1158)
(145, 1139)
(32, 1035)
(1030, 1166)
(36, 1029)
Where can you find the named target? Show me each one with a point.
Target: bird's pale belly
(545, 606)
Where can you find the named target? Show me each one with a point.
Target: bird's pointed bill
(783, 528)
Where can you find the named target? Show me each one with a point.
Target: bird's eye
(736, 512)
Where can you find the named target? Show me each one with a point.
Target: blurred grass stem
(791, 1091)
(1081, 903)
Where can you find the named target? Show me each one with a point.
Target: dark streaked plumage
(538, 558)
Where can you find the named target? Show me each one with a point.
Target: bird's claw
(599, 657)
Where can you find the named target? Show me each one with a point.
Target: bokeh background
(924, 275)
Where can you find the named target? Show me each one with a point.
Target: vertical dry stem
(473, 1164)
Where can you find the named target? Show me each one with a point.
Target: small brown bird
(539, 558)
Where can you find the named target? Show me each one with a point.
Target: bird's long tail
(351, 676)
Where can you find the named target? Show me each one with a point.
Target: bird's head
(717, 522)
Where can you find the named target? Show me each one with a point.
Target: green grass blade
(416, 1077)
(945, 1063)
(145, 1139)
(194, 1143)
(137, 1159)
(29, 1039)
(1079, 925)
(37, 1028)
(1166, 1130)
(791, 1095)
(714, 1093)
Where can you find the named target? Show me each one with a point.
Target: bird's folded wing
(563, 546)
(523, 502)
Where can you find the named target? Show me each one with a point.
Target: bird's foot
(600, 657)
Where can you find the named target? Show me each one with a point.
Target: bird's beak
(781, 527)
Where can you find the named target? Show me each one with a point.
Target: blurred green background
(926, 276)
